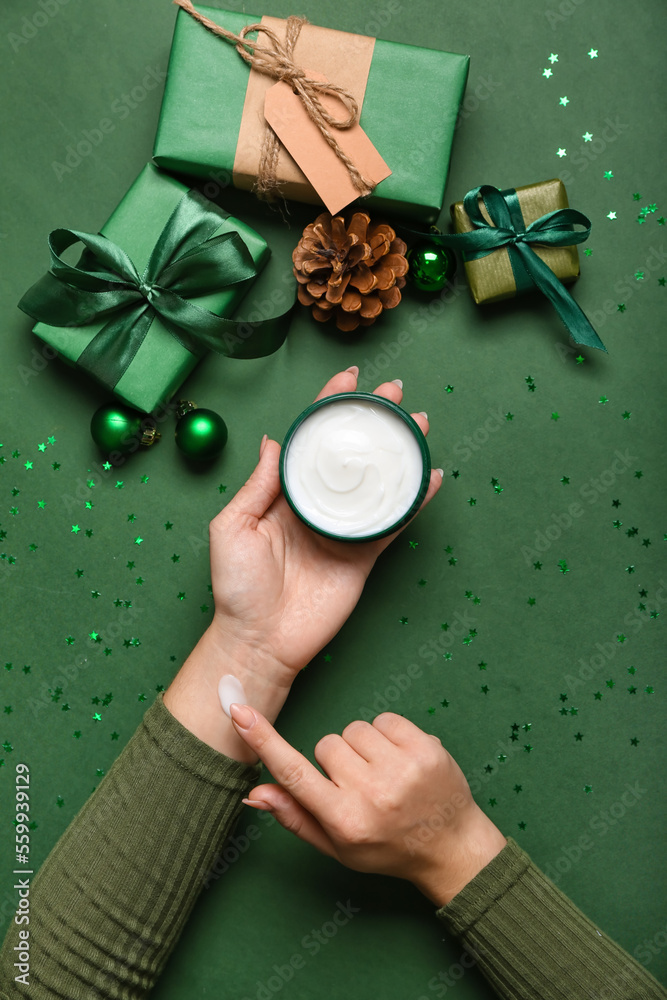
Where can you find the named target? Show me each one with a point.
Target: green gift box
(162, 361)
(410, 108)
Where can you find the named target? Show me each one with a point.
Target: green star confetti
(532, 602)
(509, 416)
(555, 415)
(222, 489)
(611, 215)
(472, 501)
(587, 136)
(565, 480)
(593, 53)
(564, 101)
(562, 152)
(402, 621)
(588, 251)
(608, 175)
(621, 307)
(604, 399)
(579, 737)
(547, 73)
(537, 565)
(449, 388)
(634, 741)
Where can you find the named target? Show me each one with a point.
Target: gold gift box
(491, 278)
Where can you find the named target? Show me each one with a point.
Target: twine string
(276, 60)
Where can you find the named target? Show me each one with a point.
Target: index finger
(290, 768)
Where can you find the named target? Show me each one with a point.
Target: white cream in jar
(355, 466)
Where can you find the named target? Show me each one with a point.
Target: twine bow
(508, 229)
(277, 61)
(188, 260)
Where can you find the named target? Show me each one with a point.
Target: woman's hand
(281, 593)
(280, 588)
(394, 802)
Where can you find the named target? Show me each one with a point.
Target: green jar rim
(406, 418)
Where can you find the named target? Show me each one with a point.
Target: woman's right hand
(394, 802)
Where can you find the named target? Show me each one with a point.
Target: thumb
(292, 815)
(263, 486)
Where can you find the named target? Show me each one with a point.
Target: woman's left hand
(281, 593)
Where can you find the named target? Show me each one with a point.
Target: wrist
(192, 697)
(451, 869)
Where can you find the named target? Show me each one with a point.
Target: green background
(83, 64)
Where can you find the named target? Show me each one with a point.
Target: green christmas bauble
(116, 428)
(201, 434)
(431, 266)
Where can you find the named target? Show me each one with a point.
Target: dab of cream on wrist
(355, 467)
(230, 692)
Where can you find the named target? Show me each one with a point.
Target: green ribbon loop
(188, 260)
(508, 229)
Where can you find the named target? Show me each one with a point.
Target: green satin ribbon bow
(509, 230)
(188, 260)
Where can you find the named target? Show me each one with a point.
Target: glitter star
(144, 479)
(94, 637)
(222, 488)
(28, 465)
(562, 152)
(131, 517)
(181, 596)
(413, 545)
(452, 561)
(564, 101)
(646, 542)
(168, 525)
(472, 501)
(537, 565)
(521, 825)
(638, 474)
(627, 415)
(632, 689)
(662, 281)
(587, 136)
(616, 503)
(106, 466)
(531, 601)
(598, 695)
(509, 416)
(604, 399)
(114, 736)
(620, 637)
(634, 741)
(562, 565)
(175, 558)
(444, 703)
(527, 747)
(580, 359)
(555, 415)
(403, 620)
(449, 388)
(484, 688)
(611, 215)
(617, 524)
(553, 58)
(138, 540)
(661, 220)
(455, 473)
(547, 73)
(608, 175)
(482, 665)
(75, 529)
(565, 480)
(119, 484)
(593, 53)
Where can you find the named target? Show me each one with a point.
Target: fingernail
(424, 414)
(354, 369)
(263, 444)
(441, 472)
(397, 382)
(257, 804)
(243, 716)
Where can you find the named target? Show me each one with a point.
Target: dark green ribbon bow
(188, 260)
(509, 230)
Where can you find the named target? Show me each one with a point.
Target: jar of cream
(355, 466)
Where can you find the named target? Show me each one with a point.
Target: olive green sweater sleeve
(111, 899)
(532, 943)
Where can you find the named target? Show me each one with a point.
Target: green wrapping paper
(161, 363)
(409, 112)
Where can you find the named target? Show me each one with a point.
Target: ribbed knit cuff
(111, 899)
(532, 943)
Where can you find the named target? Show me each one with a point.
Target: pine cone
(350, 273)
